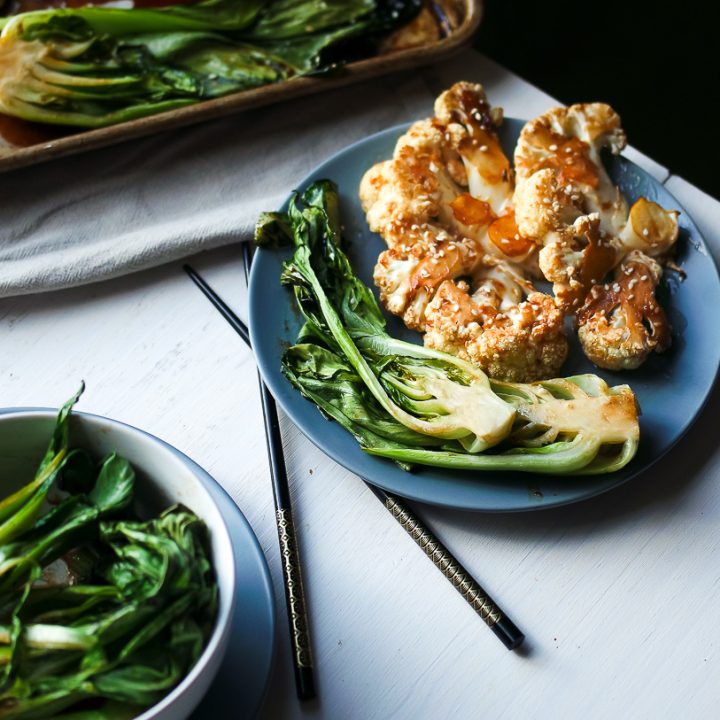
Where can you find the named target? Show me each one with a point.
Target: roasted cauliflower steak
(566, 202)
(466, 235)
(443, 205)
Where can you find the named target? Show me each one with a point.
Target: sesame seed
(424, 273)
(568, 149)
(616, 287)
(631, 297)
(483, 148)
(433, 167)
(553, 148)
(643, 277)
(646, 232)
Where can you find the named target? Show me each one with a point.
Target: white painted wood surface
(619, 595)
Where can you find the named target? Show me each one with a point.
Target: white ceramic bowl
(163, 478)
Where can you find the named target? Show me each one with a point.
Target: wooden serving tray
(36, 143)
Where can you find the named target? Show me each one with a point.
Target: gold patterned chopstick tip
(294, 589)
(461, 580)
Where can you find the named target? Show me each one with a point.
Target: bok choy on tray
(420, 406)
(96, 66)
(101, 613)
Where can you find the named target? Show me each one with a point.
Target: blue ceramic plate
(671, 388)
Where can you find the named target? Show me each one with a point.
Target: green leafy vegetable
(95, 66)
(419, 406)
(94, 603)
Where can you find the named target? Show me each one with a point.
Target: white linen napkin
(143, 203)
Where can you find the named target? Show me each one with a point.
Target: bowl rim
(220, 633)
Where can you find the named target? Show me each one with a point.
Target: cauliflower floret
(577, 259)
(471, 128)
(621, 323)
(576, 252)
(566, 202)
(564, 144)
(508, 337)
(543, 206)
(569, 142)
(409, 276)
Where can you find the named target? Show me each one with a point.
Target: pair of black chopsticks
(441, 557)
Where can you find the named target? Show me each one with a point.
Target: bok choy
(415, 405)
(96, 66)
(96, 604)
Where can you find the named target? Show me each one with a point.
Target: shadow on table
(669, 485)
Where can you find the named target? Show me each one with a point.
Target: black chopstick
(441, 557)
(289, 556)
(289, 552)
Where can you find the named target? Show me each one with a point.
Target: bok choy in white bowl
(116, 572)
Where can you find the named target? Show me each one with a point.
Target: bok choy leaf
(96, 66)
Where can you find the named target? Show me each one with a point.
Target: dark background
(655, 63)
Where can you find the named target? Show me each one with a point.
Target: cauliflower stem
(416, 405)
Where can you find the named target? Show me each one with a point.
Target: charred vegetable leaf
(419, 406)
(96, 66)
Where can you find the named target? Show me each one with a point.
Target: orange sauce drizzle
(471, 211)
(505, 235)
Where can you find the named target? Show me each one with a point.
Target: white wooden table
(619, 596)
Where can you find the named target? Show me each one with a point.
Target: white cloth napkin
(143, 203)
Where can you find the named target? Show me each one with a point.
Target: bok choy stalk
(419, 406)
(123, 630)
(96, 66)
